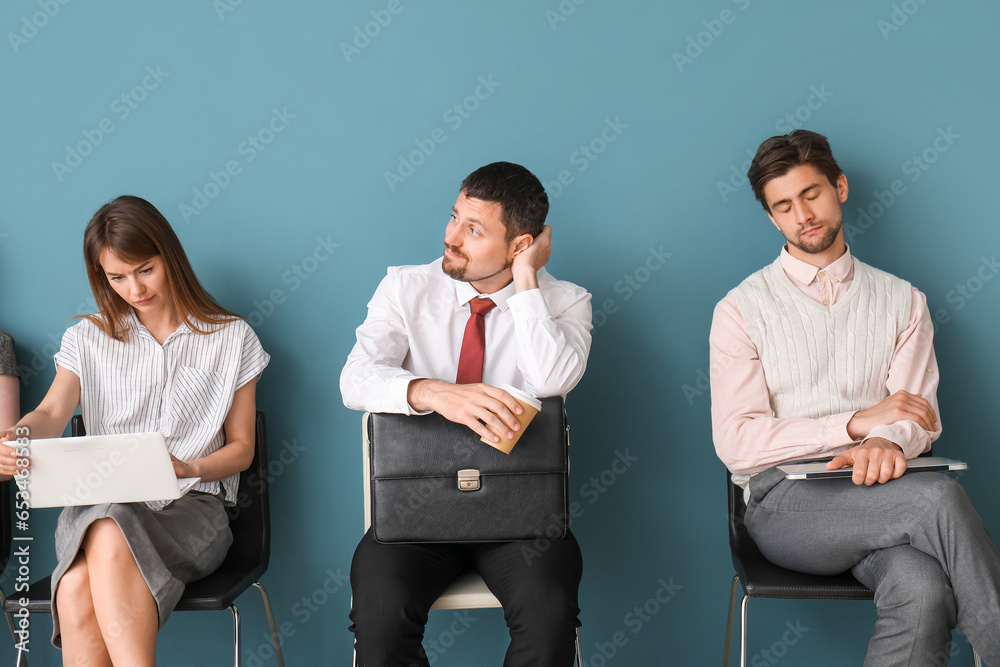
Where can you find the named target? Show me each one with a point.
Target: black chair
(762, 579)
(246, 562)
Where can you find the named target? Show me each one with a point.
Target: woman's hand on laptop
(183, 468)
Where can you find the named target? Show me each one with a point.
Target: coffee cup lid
(522, 396)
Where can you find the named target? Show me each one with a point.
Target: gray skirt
(183, 542)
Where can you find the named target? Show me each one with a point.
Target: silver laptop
(94, 469)
(819, 471)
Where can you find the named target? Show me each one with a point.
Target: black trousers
(394, 586)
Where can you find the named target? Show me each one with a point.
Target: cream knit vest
(820, 360)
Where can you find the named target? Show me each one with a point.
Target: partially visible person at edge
(10, 388)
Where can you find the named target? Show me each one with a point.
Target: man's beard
(817, 245)
(461, 273)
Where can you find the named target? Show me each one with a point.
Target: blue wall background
(265, 130)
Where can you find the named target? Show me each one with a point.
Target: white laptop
(819, 471)
(94, 469)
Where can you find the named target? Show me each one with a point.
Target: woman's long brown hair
(134, 231)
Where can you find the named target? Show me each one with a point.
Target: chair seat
(220, 589)
(763, 579)
(215, 592)
(39, 596)
(469, 591)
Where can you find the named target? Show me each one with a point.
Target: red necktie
(470, 359)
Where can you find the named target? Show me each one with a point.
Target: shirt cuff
(898, 435)
(836, 426)
(528, 304)
(398, 388)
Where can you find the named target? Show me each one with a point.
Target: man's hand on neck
(528, 261)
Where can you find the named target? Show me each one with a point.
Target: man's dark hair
(778, 155)
(522, 199)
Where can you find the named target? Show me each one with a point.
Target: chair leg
(729, 622)
(22, 661)
(743, 631)
(236, 633)
(270, 622)
(10, 619)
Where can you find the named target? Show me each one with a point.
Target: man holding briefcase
(442, 337)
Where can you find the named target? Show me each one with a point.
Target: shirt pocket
(197, 395)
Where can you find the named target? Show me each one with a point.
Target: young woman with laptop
(160, 356)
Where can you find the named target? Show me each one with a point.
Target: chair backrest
(250, 518)
(737, 508)
(366, 469)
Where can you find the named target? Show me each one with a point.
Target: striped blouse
(182, 389)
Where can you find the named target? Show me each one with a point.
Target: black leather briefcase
(434, 481)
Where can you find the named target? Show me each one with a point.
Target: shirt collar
(465, 292)
(133, 323)
(805, 273)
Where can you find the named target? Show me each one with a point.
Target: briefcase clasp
(468, 480)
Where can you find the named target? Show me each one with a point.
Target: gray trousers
(916, 541)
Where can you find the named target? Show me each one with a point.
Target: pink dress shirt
(749, 438)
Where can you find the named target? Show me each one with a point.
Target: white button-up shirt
(537, 340)
(182, 389)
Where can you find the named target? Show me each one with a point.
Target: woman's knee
(104, 538)
(74, 599)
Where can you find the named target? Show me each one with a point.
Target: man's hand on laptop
(901, 406)
(475, 405)
(874, 460)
